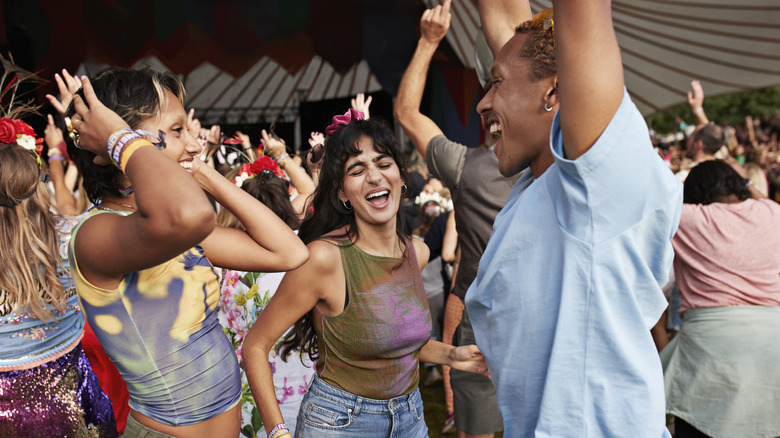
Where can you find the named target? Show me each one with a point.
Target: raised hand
(193, 124)
(273, 146)
(213, 135)
(695, 95)
(435, 22)
(95, 123)
(245, 142)
(68, 86)
(52, 135)
(361, 103)
(317, 143)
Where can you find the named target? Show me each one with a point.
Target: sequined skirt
(61, 398)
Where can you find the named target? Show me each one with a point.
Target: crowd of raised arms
(575, 275)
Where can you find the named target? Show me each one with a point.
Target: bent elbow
(400, 113)
(195, 220)
(297, 256)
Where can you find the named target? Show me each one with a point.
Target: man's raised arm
(500, 18)
(590, 71)
(433, 27)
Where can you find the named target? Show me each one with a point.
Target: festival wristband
(130, 150)
(116, 152)
(55, 157)
(282, 157)
(111, 143)
(278, 431)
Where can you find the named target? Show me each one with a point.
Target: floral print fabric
(244, 295)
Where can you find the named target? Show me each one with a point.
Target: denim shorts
(327, 411)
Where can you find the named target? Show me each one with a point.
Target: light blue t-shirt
(570, 285)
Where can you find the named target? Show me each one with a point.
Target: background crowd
(77, 364)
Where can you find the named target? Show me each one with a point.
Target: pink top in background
(728, 254)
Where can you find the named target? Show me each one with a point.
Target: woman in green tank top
(358, 303)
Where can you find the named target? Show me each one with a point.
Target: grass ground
(435, 408)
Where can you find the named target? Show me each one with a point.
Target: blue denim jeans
(327, 412)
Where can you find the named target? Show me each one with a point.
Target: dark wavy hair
(134, 94)
(328, 212)
(713, 180)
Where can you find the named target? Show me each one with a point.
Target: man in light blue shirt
(570, 283)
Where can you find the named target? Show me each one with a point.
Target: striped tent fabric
(729, 46)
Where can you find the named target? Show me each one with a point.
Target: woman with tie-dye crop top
(142, 260)
(359, 300)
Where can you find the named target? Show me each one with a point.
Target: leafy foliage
(729, 108)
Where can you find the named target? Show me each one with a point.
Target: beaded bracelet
(116, 153)
(279, 430)
(55, 157)
(111, 144)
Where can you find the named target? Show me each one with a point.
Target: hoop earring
(347, 205)
(546, 108)
(404, 189)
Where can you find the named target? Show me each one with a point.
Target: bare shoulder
(324, 255)
(324, 274)
(422, 251)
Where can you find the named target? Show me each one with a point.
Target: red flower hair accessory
(16, 131)
(251, 170)
(340, 121)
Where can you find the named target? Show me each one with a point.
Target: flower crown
(261, 164)
(12, 128)
(19, 132)
(433, 204)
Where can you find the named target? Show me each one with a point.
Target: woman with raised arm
(142, 260)
(359, 301)
(47, 387)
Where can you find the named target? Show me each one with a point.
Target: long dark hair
(712, 180)
(330, 214)
(134, 94)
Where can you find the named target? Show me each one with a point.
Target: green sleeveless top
(372, 348)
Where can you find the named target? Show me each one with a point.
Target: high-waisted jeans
(327, 411)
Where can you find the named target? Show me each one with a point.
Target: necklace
(119, 204)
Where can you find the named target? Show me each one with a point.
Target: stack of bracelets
(118, 141)
(278, 431)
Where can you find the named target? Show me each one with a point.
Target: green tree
(728, 108)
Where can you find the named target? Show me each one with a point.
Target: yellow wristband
(130, 149)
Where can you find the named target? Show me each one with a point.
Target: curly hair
(539, 47)
(29, 280)
(134, 94)
(328, 212)
(713, 180)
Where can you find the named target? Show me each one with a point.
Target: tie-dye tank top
(372, 348)
(160, 328)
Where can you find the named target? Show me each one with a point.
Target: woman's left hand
(468, 358)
